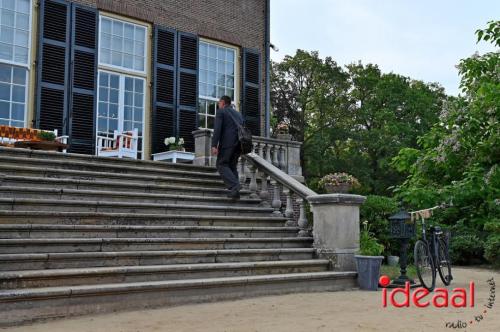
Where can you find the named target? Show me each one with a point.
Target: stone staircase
(82, 234)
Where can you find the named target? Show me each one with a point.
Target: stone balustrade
(272, 173)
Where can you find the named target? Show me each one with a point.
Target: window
(15, 18)
(122, 44)
(122, 48)
(216, 79)
(121, 105)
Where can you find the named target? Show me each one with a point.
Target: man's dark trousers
(227, 160)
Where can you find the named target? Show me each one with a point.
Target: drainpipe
(268, 67)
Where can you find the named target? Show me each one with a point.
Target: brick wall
(238, 22)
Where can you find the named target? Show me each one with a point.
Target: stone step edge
(77, 182)
(45, 214)
(55, 163)
(56, 227)
(145, 269)
(150, 253)
(28, 153)
(130, 194)
(88, 174)
(149, 240)
(90, 290)
(60, 202)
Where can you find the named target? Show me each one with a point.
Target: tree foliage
(351, 119)
(457, 160)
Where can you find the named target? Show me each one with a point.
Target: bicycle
(428, 253)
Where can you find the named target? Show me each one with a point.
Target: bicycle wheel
(443, 263)
(424, 264)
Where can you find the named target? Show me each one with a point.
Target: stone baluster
(275, 155)
(276, 203)
(282, 158)
(264, 191)
(253, 182)
(243, 177)
(289, 208)
(302, 223)
(268, 153)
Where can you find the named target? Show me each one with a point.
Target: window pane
(202, 89)
(140, 34)
(203, 49)
(22, 21)
(117, 28)
(102, 125)
(105, 26)
(113, 125)
(18, 93)
(139, 48)
(204, 63)
(230, 55)
(114, 81)
(23, 6)
(113, 111)
(103, 109)
(128, 61)
(9, 4)
(103, 79)
(139, 85)
(212, 64)
(139, 63)
(116, 43)
(211, 108)
(221, 53)
(21, 54)
(138, 100)
(129, 84)
(138, 115)
(106, 41)
(116, 58)
(7, 17)
(105, 56)
(113, 96)
(17, 112)
(212, 77)
(103, 94)
(6, 51)
(4, 110)
(5, 73)
(127, 113)
(129, 31)
(129, 98)
(210, 122)
(6, 35)
(212, 51)
(19, 76)
(5, 91)
(128, 46)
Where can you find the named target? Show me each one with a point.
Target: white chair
(121, 145)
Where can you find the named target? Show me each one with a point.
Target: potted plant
(369, 260)
(174, 143)
(46, 136)
(338, 182)
(282, 131)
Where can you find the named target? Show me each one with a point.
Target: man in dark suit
(226, 145)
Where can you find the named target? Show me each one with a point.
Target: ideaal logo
(443, 298)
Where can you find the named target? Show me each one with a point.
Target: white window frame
(119, 68)
(24, 65)
(236, 85)
(121, 104)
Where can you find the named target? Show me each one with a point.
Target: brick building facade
(91, 67)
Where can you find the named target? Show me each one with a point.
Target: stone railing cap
(336, 198)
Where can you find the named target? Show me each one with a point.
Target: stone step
(116, 196)
(28, 305)
(19, 246)
(36, 231)
(130, 274)
(43, 171)
(76, 165)
(116, 186)
(22, 204)
(103, 161)
(16, 262)
(146, 219)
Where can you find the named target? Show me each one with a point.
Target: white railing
(121, 145)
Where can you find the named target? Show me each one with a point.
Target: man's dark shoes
(234, 194)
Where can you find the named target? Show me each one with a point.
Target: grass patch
(394, 271)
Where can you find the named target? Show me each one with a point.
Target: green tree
(457, 161)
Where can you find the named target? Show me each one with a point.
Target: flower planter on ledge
(342, 188)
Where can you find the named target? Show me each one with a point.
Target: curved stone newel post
(336, 228)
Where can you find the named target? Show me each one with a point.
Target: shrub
(466, 249)
(368, 244)
(47, 136)
(492, 249)
(377, 209)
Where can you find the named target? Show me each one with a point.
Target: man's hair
(226, 100)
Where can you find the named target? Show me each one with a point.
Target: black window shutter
(164, 87)
(83, 76)
(251, 90)
(53, 66)
(187, 88)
